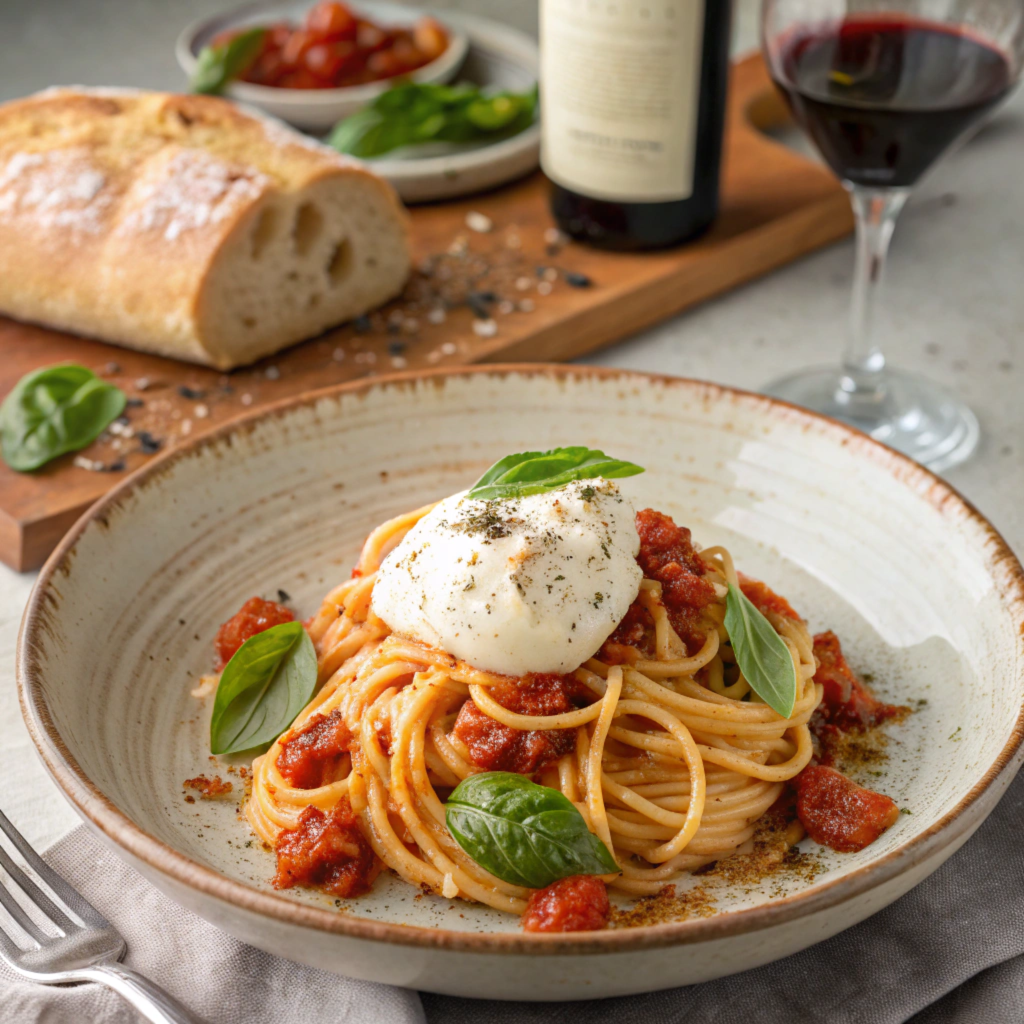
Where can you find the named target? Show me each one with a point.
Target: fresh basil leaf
(218, 65)
(523, 833)
(762, 656)
(267, 682)
(55, 410)
(364, 134)
(493, 113)
(412, 113)
(535, 472)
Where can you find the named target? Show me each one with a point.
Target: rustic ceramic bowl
(922, 590)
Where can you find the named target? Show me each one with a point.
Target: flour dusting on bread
(60, 188)
(189, 189)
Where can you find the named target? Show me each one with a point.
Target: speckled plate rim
(1002, 566)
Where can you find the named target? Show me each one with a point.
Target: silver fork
(69, 951)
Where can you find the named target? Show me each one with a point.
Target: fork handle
(156, 1005)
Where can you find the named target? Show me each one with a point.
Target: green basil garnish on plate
(411, 114)
(760, 652)
(536, 472)
(523, 833)
(55, 410)
(218, 65)
(267, 682)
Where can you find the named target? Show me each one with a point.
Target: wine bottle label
(620, 86)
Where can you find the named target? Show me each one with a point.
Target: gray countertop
(955, 302)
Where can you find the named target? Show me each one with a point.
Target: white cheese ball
(532, 584)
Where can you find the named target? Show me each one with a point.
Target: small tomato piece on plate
(330, 21)
(255, 616)
(430, 38)
(838, 813)
(578, 903)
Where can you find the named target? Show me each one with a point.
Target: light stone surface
(955, 299)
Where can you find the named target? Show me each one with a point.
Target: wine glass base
(912, 415)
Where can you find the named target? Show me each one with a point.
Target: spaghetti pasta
(662, 745)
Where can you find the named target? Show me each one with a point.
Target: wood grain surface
(508, 294)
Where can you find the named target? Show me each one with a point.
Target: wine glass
(884, 88)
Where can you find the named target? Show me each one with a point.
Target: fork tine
(71, 898)
(36, 895)
(27, 925)
(9, 949)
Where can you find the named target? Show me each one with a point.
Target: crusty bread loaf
(183, 226)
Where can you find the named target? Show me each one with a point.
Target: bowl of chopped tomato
(313, 64)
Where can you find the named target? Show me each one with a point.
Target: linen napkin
(221, 980)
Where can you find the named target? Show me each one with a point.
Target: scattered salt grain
(246, 399)
(201, 412)
(544, 288)
(338, 355)
(119, 428)
(449, 348)
(526, 306)
(143, 384)
(399, 362)
(272, 373)
(513, 241)
(485, 328)
(505, 307)
(186, 428)
(479, 222)
(523, 284)
(550, 274)
(437, 316)
(552, 236)
(92, 465)
(410, 325)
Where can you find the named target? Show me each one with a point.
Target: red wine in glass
(883, 98)
(883, 94)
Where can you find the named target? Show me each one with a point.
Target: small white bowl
(317, 110)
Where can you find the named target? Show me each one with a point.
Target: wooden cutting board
(511, 293)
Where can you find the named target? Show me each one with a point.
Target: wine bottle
(632, 111)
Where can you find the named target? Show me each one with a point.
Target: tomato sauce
(578, 903)
(846, 702)
(667, 554)
(497, 747)
(838, 813)
(311, 757)
(255, 616)
(632, 639)
(327, 851)
(764, 599)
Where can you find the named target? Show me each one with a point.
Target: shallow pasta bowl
(923, 591)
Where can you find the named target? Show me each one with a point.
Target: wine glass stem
(875, 211)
